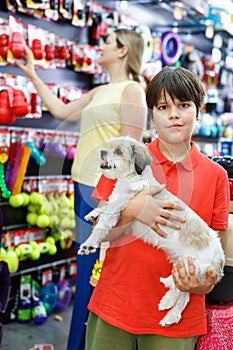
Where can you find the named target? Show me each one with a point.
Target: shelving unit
(15, 218)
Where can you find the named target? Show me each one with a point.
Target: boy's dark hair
(178, 83)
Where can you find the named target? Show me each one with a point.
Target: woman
(115, 109)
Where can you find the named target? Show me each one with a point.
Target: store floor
(24, 336)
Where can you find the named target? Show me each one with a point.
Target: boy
(124, 306)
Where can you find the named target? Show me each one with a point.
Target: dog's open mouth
(106, 165)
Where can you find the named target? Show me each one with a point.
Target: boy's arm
(148, 211)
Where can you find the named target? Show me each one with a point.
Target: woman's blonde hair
(135, 44)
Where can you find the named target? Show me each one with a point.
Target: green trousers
(102, 336)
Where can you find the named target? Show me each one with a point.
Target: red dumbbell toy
(17, 45)
(20, 106)
(64, 53)
(6, 114)
(4, 45)
(37, 49)
(49, 55)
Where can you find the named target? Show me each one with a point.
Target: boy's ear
(123, 51)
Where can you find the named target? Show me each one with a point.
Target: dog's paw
(165, 304)
(168, 281)
(89, 217)
(86, 250)
(168, 300)
(92, 215)
(170, 318)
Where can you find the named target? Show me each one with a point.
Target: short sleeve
(103, 188)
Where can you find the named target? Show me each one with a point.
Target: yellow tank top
(100, 121)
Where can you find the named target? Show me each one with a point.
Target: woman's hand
(152, 212)
(187, 281)
(28, 68)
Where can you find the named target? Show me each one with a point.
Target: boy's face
(174, 120)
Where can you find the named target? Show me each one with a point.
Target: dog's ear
(142, 157)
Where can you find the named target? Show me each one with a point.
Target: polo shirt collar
(188, 163)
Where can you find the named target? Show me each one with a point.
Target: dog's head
(123, 157)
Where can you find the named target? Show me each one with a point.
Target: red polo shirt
(129, 290)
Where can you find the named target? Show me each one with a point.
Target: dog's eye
(118, 152)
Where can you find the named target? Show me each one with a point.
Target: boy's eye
(184, 105)
(118, 152)
(161, 108)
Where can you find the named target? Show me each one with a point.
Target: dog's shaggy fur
(128, 160)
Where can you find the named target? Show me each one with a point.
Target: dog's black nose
(103, 154)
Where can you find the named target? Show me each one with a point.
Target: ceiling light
(178, 13)
(209, 32)
(124, 4)
(216, 55)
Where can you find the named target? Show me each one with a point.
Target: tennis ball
(44, 247)
(66, 239)
(42, 221)
(50, 240)
(54, 221)
(64, 211)
(23, 251)
(72, 214)
(16, 200)
(65, 222)
(12, 260)
(31, 219)
(36, 198)
(32, 208)
(2, 252)
(26, 198)
(52, 247)
(52, 250)
(64, 201)
(35, 254)
(72, 201)
(72, 224)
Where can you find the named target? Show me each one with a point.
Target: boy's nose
(174, 114)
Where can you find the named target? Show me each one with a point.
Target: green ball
(26, 198)
(52, 250)
(23, 251)
(16, 200)
(2, 252)
(36, 198)
(31, 218)
(42, 221)
(50, 240)
(12, 260)
(54, 221)
(33, 208)
(35, 254)
(66, 239)
(65, 222)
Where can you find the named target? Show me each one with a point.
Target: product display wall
(35, 260)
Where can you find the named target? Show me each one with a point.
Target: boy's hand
(187, 281)
(152, 212)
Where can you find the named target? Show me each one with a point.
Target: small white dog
(128, 160)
